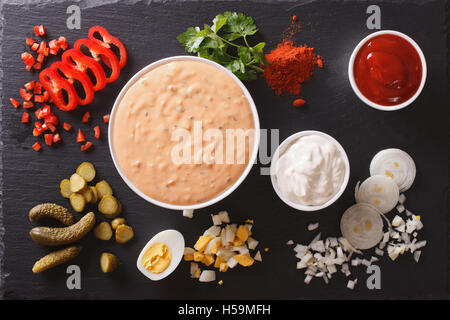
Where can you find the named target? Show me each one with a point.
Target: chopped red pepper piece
(46, 111)
(51, 127)
(29, 42)
(86, 146)
(106, 118)
(42, 47)
(37, 88)
(56, 138)
(76, 59)
(39, 126)
(28, 104)
(25, 117)
(80, 136)
(55, 85)
(51, 119)
(48, 139)
(67, 126)
(14, 102)
(63, 43)
(36, 146)
(97, 132)
(39, 30)
(37, 66)
(46, 51)
(46, 96)
(38, 114)
(107, 40)
(30, 85)
(86, 117)
(28, 59)
(25, 95)
(36, 132)
(35, 46)
(40, 58)
(39, 98)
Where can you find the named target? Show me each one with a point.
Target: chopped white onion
(188, 213)
(207, 276)
(313, 226)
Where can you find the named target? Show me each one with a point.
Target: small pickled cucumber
(51, 210)
(87, 171)
(77, 183)
(108, 262)
(65, 188)
(103, 231)
(109, 206)
(124, 233)
(60, 236)
(56, 258)
(103, 189)
(117, 222)
(78, 202)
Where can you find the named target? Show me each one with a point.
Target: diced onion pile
(222, 246)
(362, 225)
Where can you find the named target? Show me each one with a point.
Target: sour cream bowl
(252, 151)
(284, 147)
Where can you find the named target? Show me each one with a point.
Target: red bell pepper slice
(48, 139)
(97, 132)
(25, 117)
(14, 102)
(54, 84)
(76, 59)
(73, 74)
(99, 52)
(86, 146)
(67, 126)
(36, 146)
(107, 40)
(80, 136)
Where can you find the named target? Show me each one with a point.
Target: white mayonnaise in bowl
(252, 152)
(293, 170)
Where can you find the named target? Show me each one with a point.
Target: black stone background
(149, 32)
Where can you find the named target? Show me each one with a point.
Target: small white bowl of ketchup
(387, 70)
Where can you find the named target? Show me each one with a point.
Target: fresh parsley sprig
(226, 43)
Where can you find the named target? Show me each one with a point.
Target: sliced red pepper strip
(80, 136)
(54, 84)
(67, 126)
(14, 102)
(76, 59)
(36, 146)
(86, 117)
(99, 52)
(25, 117)
(48, 139)
(97, 132)
(107, 40)
(86, 146)
(73, 74)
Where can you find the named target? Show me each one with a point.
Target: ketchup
(388, 70)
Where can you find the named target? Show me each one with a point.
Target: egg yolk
(157, 258)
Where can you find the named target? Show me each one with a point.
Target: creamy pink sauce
(173, 96)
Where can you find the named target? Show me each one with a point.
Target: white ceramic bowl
(355, 88)
(253, 154)
(282, 147)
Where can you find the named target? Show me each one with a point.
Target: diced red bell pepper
(36, 146)
(42, 47)
(25, 95)
(37, 66)
(14, 102)
(30, 85)
(25, 117)
(37, 88)
(51, 127)
(55, 84)
(73, 74)
(100, 52)
(39, 126)
(46, 96)
(28, 59)
(46, 52)
(106, 118)
(106, 40)
(46, 110)
(39, 30)
(52, 119)
(67, 126)
(40, 58)
(63, 43)
(38, 114)
(28, 104)
(56, 138)
(76, 59)
(97, 132)
(86, 117)
(29, 41)
(48, 139)
(35, 46)
(80, 136)
(39, 98)
(36, 132)
(86, 146)
(53, 44)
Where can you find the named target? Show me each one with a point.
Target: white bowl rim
(276, 155)
(230, 189)
(352, 77)
(176, 259)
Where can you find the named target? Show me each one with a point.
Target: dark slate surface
(149, 31)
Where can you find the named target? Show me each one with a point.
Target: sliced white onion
(207, 276)
(252, 243)
(313, 226)
(362, 226)
(216, 219)
(395, 164)
(224, 217)
(380, 192)
(290, 243)
(257, 256)
(188, 213)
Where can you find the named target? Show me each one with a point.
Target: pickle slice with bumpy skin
(51, 210)
(56, 258)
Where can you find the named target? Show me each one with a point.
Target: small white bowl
(253, 155)
(176, 247)
(282, 147)
(355, 88)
